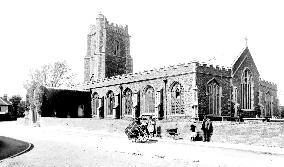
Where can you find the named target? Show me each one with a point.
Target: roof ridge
(239, 55)
(4, 101)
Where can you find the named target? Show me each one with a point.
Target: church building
(189, 90)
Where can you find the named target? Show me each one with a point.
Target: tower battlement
(162, 72)
(268, 84)
(211, 69)
(181, 68)
(120, 29)
(92, 30)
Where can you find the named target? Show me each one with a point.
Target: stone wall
(160, 80)
(260, 87)
(204, 74)
(87, 75)
(100, 60)
(246, 61)
(109, 67)
(164, 72)
(116, 63)
(271, 89)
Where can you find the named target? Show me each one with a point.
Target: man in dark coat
(207, 129)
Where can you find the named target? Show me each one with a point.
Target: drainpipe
(165, 106)
(91, 103)
(120, 101)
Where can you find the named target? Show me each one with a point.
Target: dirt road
(69, 146)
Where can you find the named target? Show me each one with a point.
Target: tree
(18, 106)
(22, 108)
(15, 100)
(57, 75)
(38, 98)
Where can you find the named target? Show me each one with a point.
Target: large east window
(246, 90)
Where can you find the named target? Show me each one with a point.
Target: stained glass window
(110, 102)
(246, 90)
(214, 101)
(128, 102)
(177, 99)
(268, 104)
(149, 101)
(95, 104)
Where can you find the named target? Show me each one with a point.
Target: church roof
(239, 58)
(245, 54)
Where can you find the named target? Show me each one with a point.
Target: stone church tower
(108, 50)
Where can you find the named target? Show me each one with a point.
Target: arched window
(95, 104)
(214, 100)
(268, 104)
(110, 102)
(246, 90)
(116, 48)
(128, 102)
(177, 99)
(149, 100)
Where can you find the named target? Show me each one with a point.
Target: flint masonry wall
(160, 79)
(266, 87)
(108, 67)
(204, 74)
(246, 61)
(117, 60)
(108, 50)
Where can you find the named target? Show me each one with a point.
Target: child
(193, 134)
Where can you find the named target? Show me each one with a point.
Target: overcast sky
(34, 32)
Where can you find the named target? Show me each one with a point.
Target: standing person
(204, 129)
(207, 129)
(151, 126)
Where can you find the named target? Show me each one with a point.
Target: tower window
(116, 48)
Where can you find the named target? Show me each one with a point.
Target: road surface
(71, 146)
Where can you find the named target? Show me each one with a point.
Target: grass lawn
(10, 147)
(269, 134)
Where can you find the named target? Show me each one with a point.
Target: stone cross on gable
(246, 39)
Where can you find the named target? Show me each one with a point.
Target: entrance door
(101, 108)
(117, 106)
(137, 107)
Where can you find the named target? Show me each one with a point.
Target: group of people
(150, 125)
(207, 129)
(141, 128)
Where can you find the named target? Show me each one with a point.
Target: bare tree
(51, 75)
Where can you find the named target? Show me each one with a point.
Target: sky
(163, 33)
